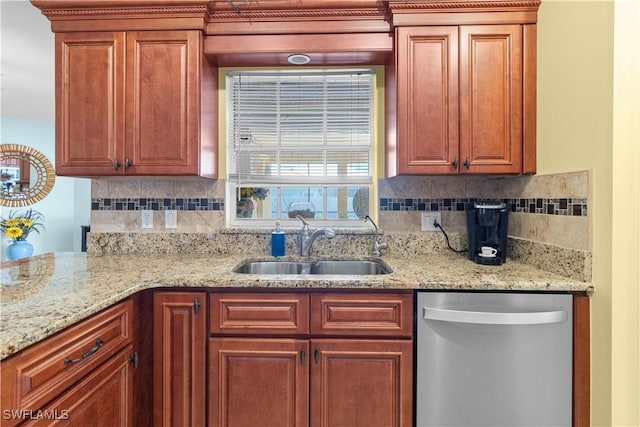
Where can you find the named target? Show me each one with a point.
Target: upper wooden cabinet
(460, 100)
(134, 95)
(128, 103)
(465, 80)
(136, 81)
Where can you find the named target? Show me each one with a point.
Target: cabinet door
(361, 383)
(102, 399)
(89, 103)
(427, 93)
(179, 364)
(163, 99)
(258, 382)
(491, 98)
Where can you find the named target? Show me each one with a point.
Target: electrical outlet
(147, 219)
(427, 220)
(170, 219)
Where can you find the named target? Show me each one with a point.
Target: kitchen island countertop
(47, 293)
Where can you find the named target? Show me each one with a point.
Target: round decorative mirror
(26, 175)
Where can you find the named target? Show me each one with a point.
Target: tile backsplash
(552, 209)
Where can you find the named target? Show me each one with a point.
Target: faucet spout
(306, 240)
(377, 245)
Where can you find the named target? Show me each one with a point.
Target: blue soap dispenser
(277, 241)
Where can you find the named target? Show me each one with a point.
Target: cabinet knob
(127, 163)
(302, 356)
(316, 356)
(467, 162)
(134, 360)
(116, 164)
(455, 162)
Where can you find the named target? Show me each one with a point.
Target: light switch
(170, 219)
(147, 219)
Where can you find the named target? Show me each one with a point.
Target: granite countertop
(44, 294)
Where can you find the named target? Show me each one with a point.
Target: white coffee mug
(488, 251)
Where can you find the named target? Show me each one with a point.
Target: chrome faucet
(307, 237)
(377, 246)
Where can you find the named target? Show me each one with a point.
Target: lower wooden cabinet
(258, 382)
(355, 368)
(80, 376)
(179, 362)
(361, 383)
(103, 399)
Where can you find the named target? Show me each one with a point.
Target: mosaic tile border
(548, 206)
(157, 204)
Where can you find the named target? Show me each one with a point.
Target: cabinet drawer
(362, 314)
(41, 372)
(258, 313)
(101, 399)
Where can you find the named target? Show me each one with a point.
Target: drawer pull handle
(127, 164)
(302, 357)
(467, 162)
(92, 350)
(116, 164)
(455, 163)
(316, 356)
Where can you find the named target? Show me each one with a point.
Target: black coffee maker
(487, 226)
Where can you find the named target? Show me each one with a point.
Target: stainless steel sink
(271, 267)
(359, 267)
(335, 267)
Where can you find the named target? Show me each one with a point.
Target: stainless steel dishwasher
(493, 359)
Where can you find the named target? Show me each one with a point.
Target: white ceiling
(27, 68)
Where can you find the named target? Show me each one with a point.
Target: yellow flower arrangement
(260, 193)
(18, 227)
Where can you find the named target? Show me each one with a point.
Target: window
(299, 142)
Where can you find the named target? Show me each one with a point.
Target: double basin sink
(321, 266)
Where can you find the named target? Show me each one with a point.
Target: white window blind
(305, 127)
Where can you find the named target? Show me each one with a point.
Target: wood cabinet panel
(89, 102)
(427, 111)
(103, 399)
(179, 363)
(362, 314)
(267, 314)
(41, 372)
(361, 383)
(581, 361)
(491, 98)
(163, 102)
(258, 382)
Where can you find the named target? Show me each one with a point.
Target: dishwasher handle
(495, 318)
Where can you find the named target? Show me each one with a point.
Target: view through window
(299, 143)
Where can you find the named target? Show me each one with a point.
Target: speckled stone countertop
(44, 294)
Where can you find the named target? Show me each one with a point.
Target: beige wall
(625, 255)
(584, 124)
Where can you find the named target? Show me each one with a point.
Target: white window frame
(232, 183)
